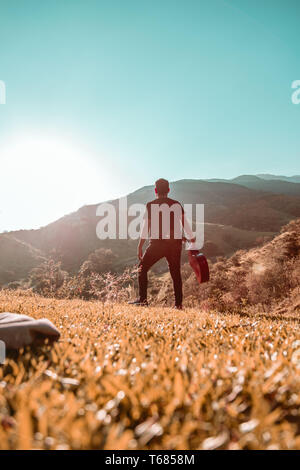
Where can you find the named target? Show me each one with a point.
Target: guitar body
(199, 264)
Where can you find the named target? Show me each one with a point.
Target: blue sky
(106, 96)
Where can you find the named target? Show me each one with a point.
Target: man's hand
(191, 240)
(140, 252)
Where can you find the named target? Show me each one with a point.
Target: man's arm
(187, 229)
(144, 234)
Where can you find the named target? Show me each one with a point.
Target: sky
(106, 96)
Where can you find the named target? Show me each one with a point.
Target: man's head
(162, 187)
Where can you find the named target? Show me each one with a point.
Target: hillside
(266, 277)
(220, 374)
(17, 259)
(229, 208)
(123, 377)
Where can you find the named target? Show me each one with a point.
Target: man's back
(164, 216)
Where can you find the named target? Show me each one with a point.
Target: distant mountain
(276, 185)
(291, 179)
(236, 217)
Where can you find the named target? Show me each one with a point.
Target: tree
(98, 262)
(47, 278)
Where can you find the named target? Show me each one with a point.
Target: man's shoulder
(173, 201)
(168, 201)
(151, 202)
(165, 200)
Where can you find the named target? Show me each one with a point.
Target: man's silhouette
(164, 224)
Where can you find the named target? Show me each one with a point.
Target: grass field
(151, 378)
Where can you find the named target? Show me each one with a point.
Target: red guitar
(199, 264)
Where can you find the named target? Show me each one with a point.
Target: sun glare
(47, 158)
(45, 178)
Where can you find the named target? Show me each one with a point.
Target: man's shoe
(138, 302)
(178, 307)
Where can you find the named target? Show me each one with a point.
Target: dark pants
(171, 250)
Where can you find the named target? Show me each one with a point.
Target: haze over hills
(236, 216)
(290, 185)
(291, 179)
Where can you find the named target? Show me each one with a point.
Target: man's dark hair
(162, 187)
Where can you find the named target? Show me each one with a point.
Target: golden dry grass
(151, 378)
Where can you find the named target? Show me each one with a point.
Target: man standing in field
(164, 225)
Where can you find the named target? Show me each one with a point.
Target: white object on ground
(17, 331)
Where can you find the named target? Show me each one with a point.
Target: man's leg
(153, 253)
(174, 260)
